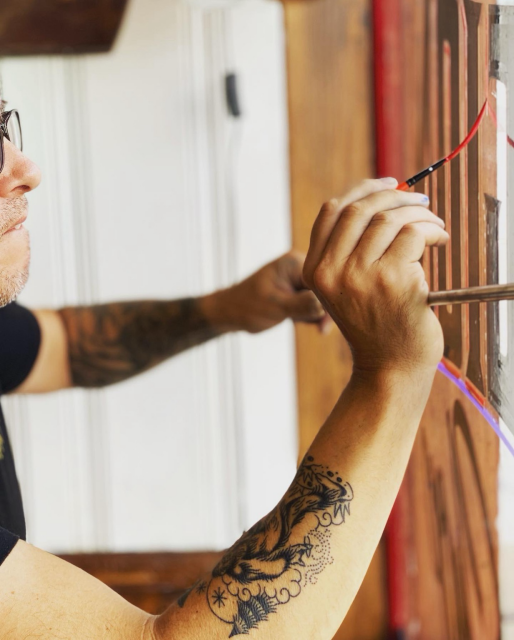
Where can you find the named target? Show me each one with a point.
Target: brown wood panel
(448, 504)
(331, 136)
(151, 581)
(448, 589)
(30, 27)
(451, 538)
(331, 140)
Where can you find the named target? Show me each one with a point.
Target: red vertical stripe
(390, 161)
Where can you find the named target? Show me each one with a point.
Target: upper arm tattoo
(112, 342)
(281, 554)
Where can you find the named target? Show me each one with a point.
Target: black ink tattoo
(219, 598)
(281, 554)
(110, 343)
(201, 588)
(182, 600)
(198, 587)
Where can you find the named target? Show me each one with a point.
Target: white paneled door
(151, 190)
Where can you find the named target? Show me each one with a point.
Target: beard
(12, 282)
(14, 250)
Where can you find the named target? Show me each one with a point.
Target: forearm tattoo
(112, 342)
(281, 554)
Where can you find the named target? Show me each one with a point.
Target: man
(295, 573)
(100, 345)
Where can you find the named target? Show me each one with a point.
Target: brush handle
(490, 293)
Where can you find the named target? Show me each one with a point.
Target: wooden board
(329, 57)
(151, 581)
(443, 541)
(450, 530)
(443, 585)
(31, 27)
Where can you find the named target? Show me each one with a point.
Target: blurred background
(152, 188)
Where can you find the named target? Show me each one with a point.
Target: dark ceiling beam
(33, 27)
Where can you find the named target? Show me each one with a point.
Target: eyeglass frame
(4, 133)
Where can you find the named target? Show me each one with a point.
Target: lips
(17, 225)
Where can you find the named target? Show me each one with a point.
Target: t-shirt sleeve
(20, 339)
(7, 543)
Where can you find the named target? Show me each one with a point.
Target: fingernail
(326, 329)
(424, 199)
(391, 181)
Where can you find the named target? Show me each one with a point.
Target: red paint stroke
(390, 161)
(405, 186)
(470, 135)
(487, 108)
(454, 370)
(475, 393)
(447, 369)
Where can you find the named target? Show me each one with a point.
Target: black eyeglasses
(10, 128)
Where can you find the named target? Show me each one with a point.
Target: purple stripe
(483, 411)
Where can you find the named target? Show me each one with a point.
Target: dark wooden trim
(151, 581)
(32, 27)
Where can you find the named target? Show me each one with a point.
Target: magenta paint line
(483, 411)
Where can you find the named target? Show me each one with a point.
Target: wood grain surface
(448, 542)
(444, 537)
(450, 531)
(329, 57)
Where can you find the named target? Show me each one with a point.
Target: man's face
(19, 176)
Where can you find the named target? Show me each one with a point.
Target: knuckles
(328, 208)
(386, 279)
(322, 278)
(355, 209)
(383, 217)
(411, 232)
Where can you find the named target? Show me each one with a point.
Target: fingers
(326, 324)
(385, 227)
(357, 216)
(411, 242)
(291, 269)
(304, 307)
(329, 216)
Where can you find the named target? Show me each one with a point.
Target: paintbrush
(405, 186)
(489, 293)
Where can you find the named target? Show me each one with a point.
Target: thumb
(303, 306)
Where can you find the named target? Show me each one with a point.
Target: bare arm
(295, 573)
(94, 346)
(110, 343)
(292, 576)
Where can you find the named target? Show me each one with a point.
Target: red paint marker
(405, 186)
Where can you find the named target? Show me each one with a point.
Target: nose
(19, 175)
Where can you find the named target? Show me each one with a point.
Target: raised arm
(94, 346)
(295, 573)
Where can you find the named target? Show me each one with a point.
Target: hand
(272, 294)
(363, 264)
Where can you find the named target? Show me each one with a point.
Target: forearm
(292, 576)
(112, 342)
(295, 574)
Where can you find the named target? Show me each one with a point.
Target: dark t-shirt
(20, 338)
